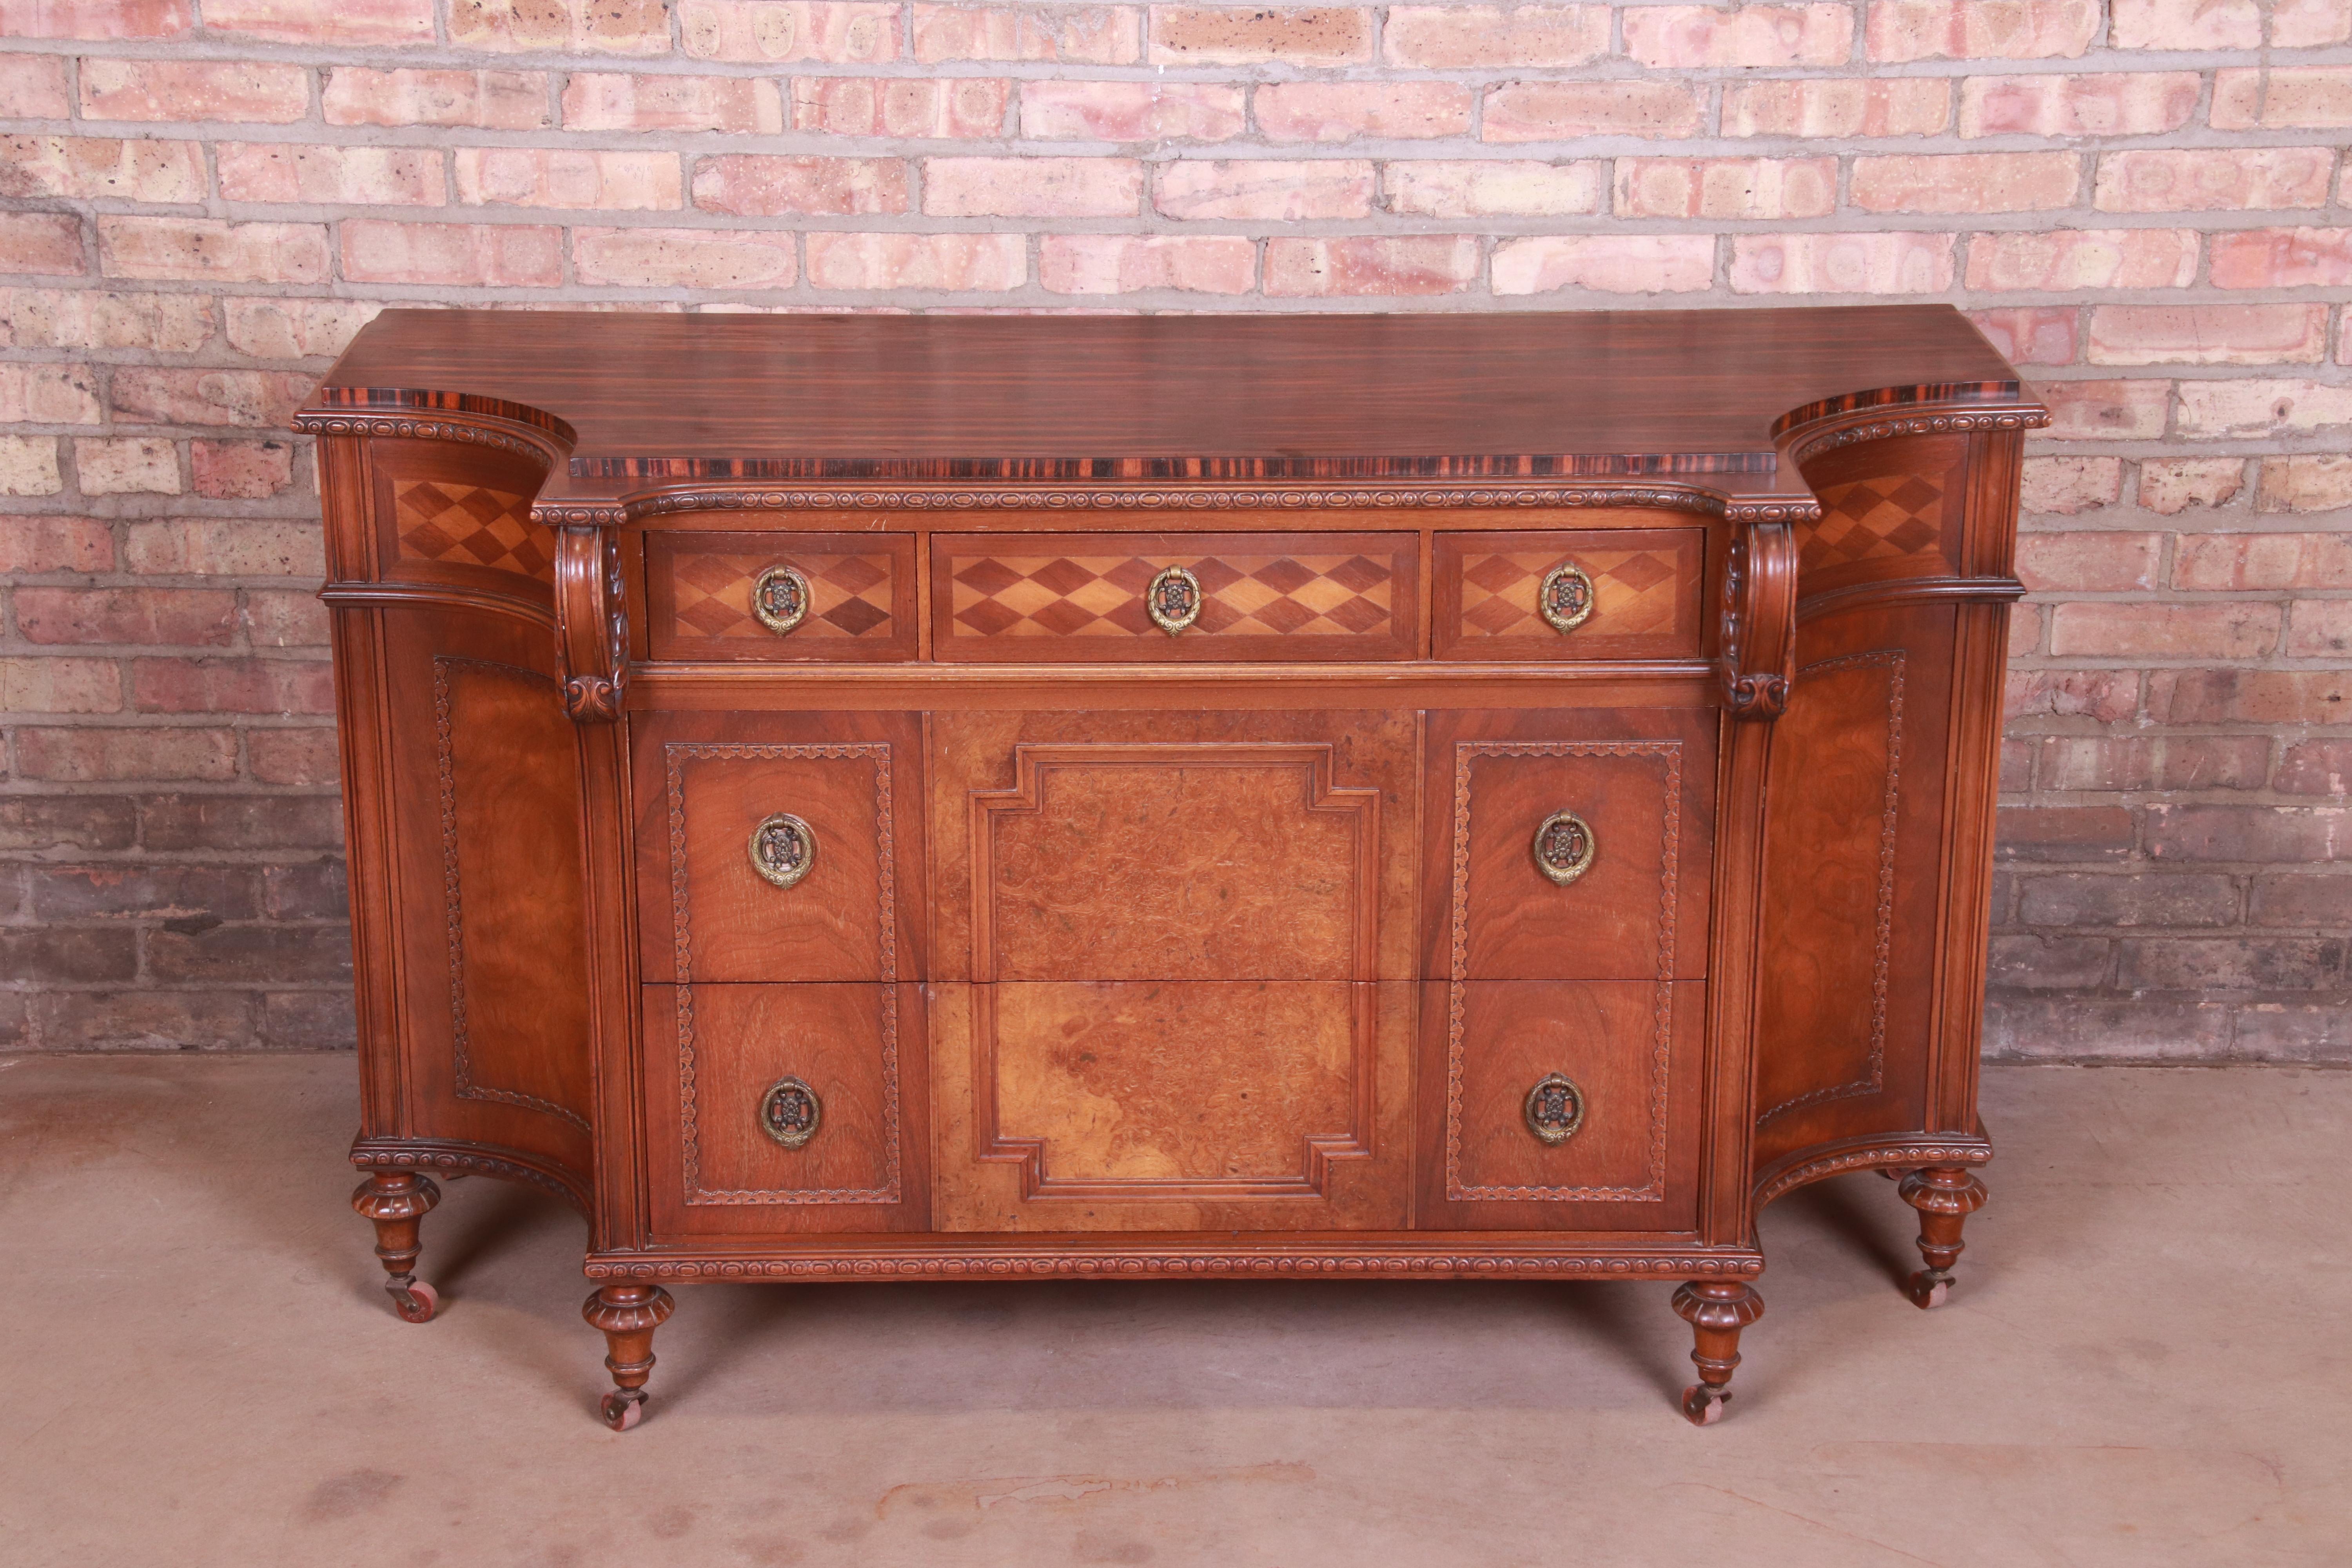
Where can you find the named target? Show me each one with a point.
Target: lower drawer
(793, 1108)
(1560, 1104)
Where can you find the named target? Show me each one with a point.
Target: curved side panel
(463, 809)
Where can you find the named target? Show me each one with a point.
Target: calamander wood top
(649, 398)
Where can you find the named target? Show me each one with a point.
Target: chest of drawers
(1431, 797)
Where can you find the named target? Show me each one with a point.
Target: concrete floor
(2144, 1363)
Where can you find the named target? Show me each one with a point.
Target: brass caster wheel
(1703, 1407)
(1929, 1288)
(416, 1303)
(622, 1410)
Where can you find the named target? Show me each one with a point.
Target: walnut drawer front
(1258, 596)
(1641, 592)
(832, 596)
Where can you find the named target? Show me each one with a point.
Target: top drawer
(824, 595)
(1622, 592)
(1056, 597)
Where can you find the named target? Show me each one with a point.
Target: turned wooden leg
(397, 1202)
(1945, 1196)
(1716, 1309)
(628, 1315)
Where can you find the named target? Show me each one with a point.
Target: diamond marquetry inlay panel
(849, 595)
(1243, 596)
(470, 525)
(1647, 585)
(861, 595)
(1635, 591)
(1896, 515)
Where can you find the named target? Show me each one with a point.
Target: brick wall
(2144, 203)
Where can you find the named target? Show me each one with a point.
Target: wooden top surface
(650, 397)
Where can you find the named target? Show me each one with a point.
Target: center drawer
(1183, 597)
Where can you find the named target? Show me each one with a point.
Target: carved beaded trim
(477, 1165)
(425, 430)
(966, 1264)
(1866, 1159)
(1929, 424)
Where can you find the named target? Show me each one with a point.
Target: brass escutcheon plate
(780, 598)
(1565, 599)
(1174, 600)
(1555, 1108)
(1564, 847)
(783, 848)
(790, 1112)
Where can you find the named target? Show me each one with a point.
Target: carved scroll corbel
(592, 624)
(1758, 653)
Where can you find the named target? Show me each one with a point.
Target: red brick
(1967, 183)
(942, 262)
(187, 90)
(1341, 111)
(145, 1020)
(1518, 37)
(2213, 178)
(2106, 410)
(1727, 187)
(241, 470)
(1608, 264)
(2241, 563)
(2307, 24)
(1821, 108)
(42, 242)
(605, 27)
(2131, 898)
(485, 99)
(2016, 778)
(683, 258)
(264, 398)
(48, 394)
(2083, 833)
(1980, 29)
(1686, 37)
(2288, 901)
(34, 85)
(617, 101)
(2104, 762)
(2288, 97)
(1264, 189)
(1131, 111)
(295, 329)
(212, 250)
(2070, 486)
(2111, 104)
(281, 823)
(2208, 335)
(2128, 630)
(1555, 110)
(2173, 485)
(2215, 963)
(95, 19)
(1072, 35)
(776, 31)
(146, 464)
(85, 166)
(2049, 962)
(2088, 561)
(1123, 264)
(103, 319)
(2251, 696)
(51, 822)
(293, 756)
(1033, 187)
(226, 547)
(30, 545)
(48, 685)
(68, 955)
(28, 466)
(764, 186)
(1890, 263)
(251, 953)
(567, 177)
(2064, 260)
(2319, 629)
(2319, 481)
(2281, 257)
(948, 108)
(2066, 1027)
(2032, 334)
(324, 22)
(2249, 833)
(452, 254)
(365, 176)
(276, 617)
(193, 618)
(2317, 767)
(2262, 407)
(1372, 265)
(1495, 187)
(309, 1020)
(2183, 24)
(1242, 35)
(91, 755)
(232, 686)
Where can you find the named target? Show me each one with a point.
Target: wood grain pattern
(460, 518)
(1647, 586)
(1080, 596)
(699, 595)
(1888, 510)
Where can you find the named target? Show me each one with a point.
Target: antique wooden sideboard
(1442, 797)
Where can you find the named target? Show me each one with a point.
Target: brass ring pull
(780, 598)
(1555, 1108)
(790, 1112)
(783, 848)
(1565, 599)
(1174, 600)
(1564, 847)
